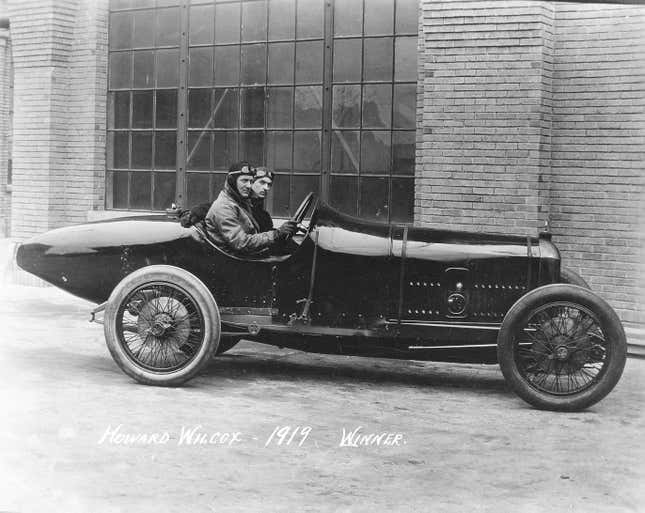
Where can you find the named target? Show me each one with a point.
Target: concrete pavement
(262, 430)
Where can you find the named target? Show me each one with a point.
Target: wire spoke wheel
(563, 349)
(161, 327)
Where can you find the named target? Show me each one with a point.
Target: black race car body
(346, 286)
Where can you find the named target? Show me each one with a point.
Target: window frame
(326, 128)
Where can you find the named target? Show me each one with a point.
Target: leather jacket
(232, 227)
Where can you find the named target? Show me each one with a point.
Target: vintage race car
(172, 299)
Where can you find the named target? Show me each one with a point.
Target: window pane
(165, 150)
(201, 67)
(120, 150)
(308, 107)
(254, 20)
(120, 190)
(405, 64)
(252, 147)
(373, 202)
(348, 18)
(227, 23)
(280, 107)
(143, 68)
(279, 151)
(278, 200)
(253, 64)
(142, 150)
(281, 63)
(377, 105)
(346, 106)
(345, 152)
(343, 194)
(379, 17)
(226, 107)
(120, 70)
(120, 4)
(301, 186)
(198, 150)
(143, 29)
(119, 114)
(347, 60)
(164, 194)
(227, 65)
(140, 190)
(120, 30)
(282, 19)
(167, 109)
(217, 184)
(142, 109)
(405, 101)
(199, 107)
(309, 62)
(225, 150)
(201, 24)
(197, 188)
(167, 68)
(310, 18)
(403, 149)
(168, 27)
(253, 107)
(306, 152)
(375, 152)
(407, 16)
(377, 62)
(402, 207)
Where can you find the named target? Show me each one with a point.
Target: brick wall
(532, 111)
(598, 152)
(6, 90)
(487, 69)
(59, 49)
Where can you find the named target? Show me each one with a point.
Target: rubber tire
(226, 344)
(572, 278)
(192, 286)
(609, 322)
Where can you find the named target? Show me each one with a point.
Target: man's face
(261, 187)
(244, 185)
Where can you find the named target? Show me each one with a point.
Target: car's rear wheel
(561, 347)
(162, 325)
(572, 278)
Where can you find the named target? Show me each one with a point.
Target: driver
(230, 221)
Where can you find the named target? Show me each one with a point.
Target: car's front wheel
(561, 347)
(162, 325)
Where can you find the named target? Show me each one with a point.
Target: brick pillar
(59, 49)
(486, 77)
(5, 130)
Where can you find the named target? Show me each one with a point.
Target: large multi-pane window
(323, 93)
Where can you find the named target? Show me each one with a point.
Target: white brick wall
(59, 132)
(535, 110)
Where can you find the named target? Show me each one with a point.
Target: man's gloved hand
(188, 218)
(287, 229)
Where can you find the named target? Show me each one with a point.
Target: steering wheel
(304, 207)
(301, 213)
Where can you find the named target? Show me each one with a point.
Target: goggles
(244, 170)
(263, 172)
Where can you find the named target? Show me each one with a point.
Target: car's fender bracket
(97, 310)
